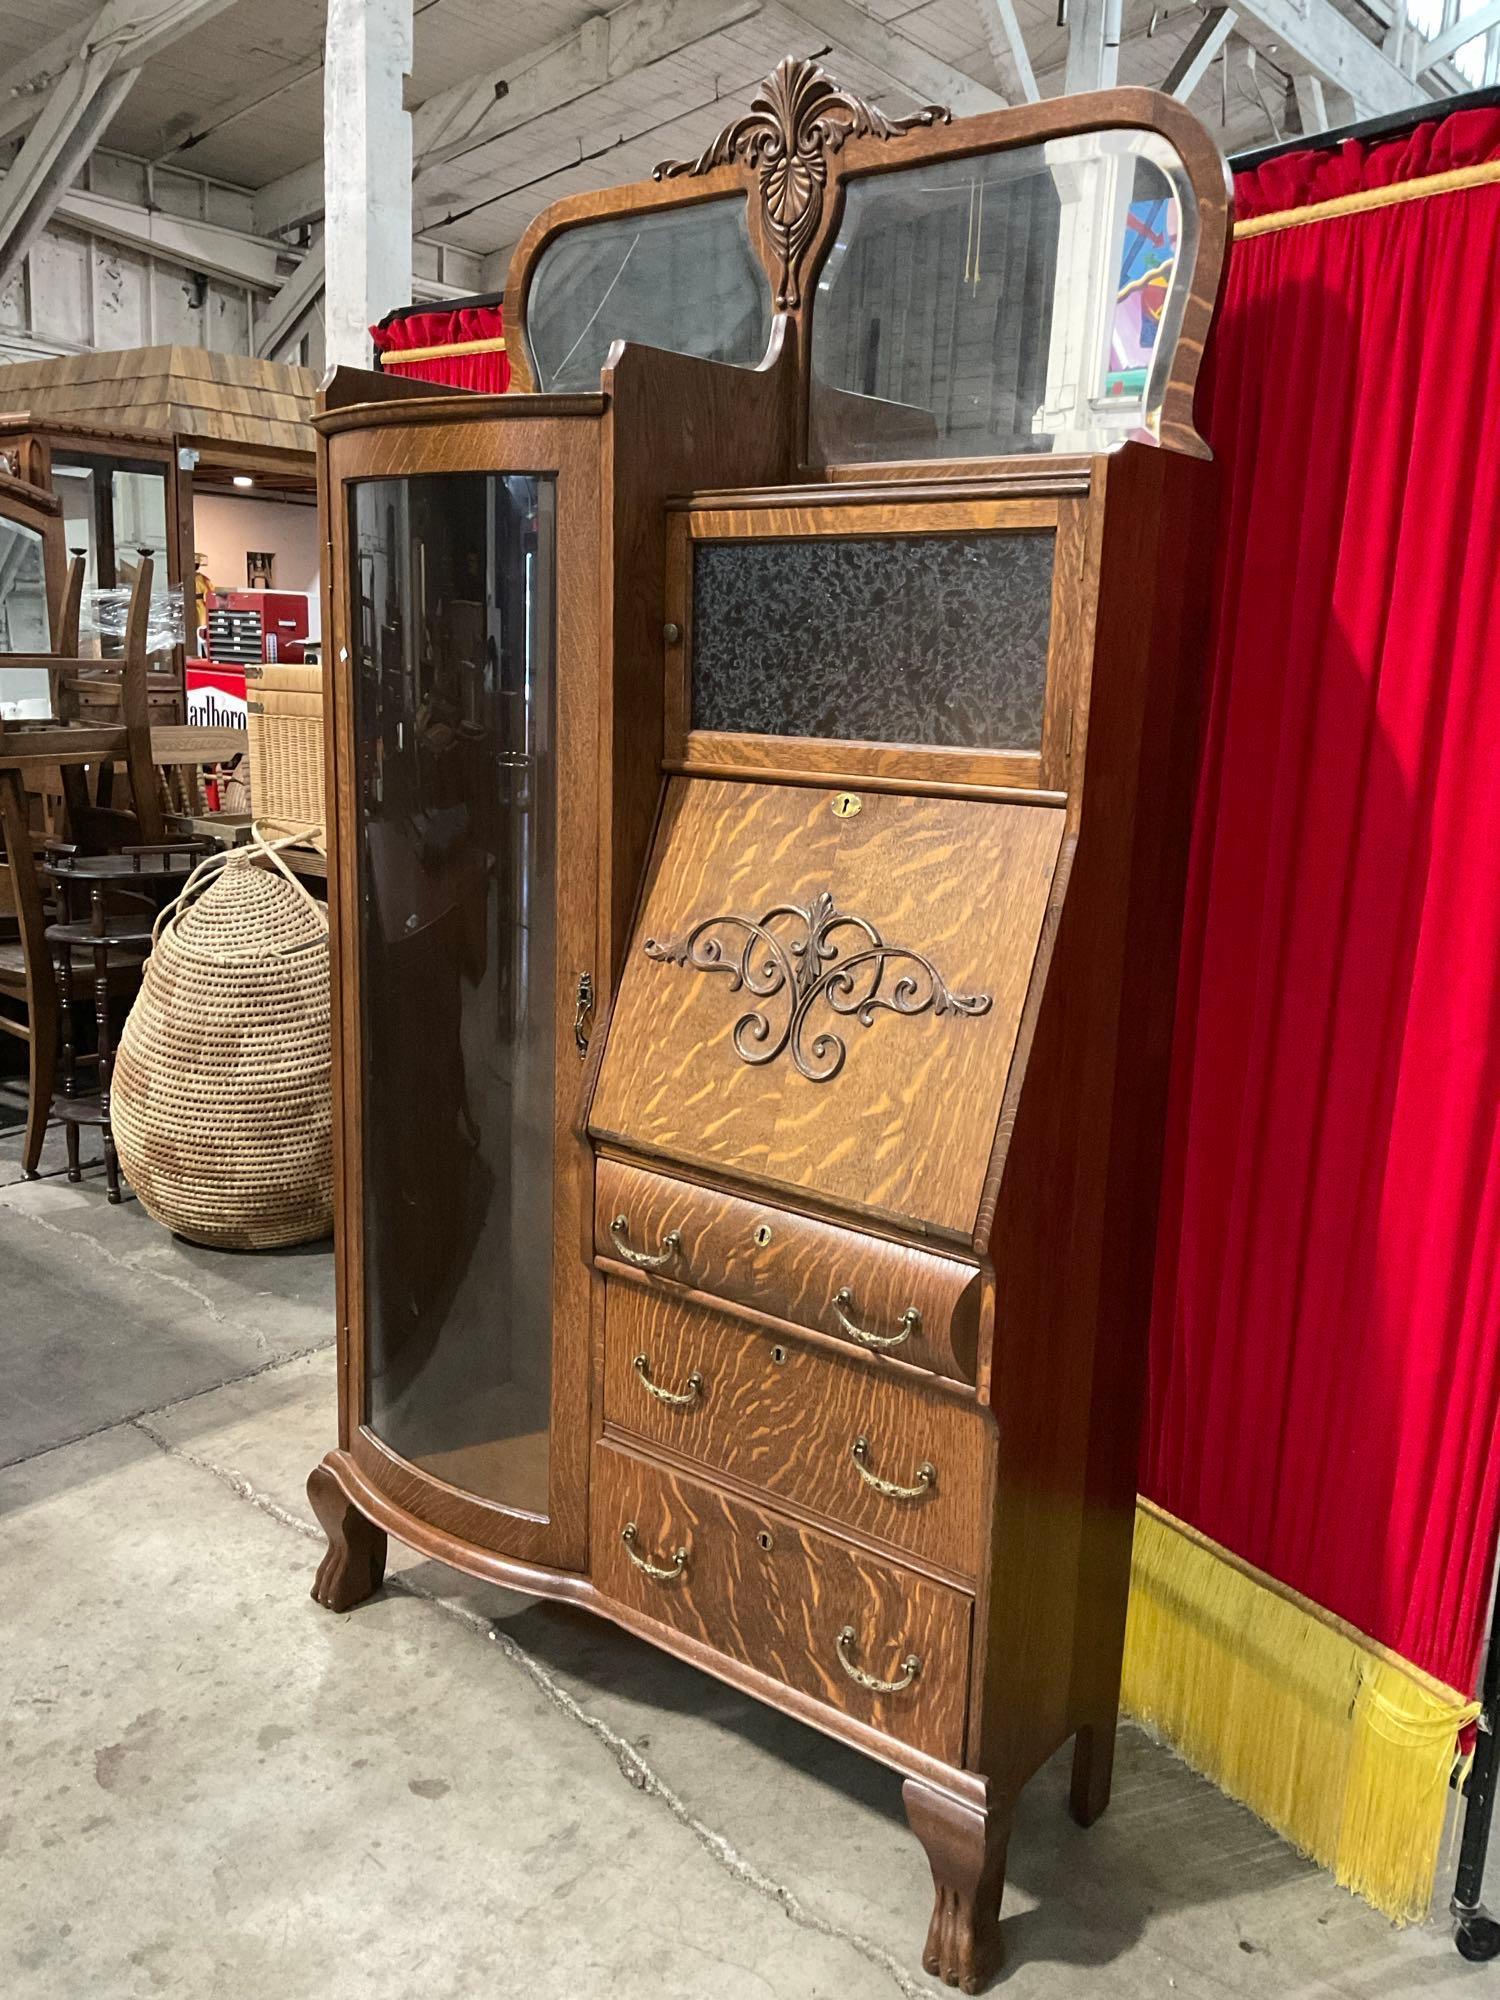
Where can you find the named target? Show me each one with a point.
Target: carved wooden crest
(797, 117)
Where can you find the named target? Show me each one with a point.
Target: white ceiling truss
(515, 106)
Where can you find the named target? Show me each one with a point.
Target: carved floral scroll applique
(820, 956)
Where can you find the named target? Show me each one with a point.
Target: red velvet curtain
(489, 370)
(1326, 1351)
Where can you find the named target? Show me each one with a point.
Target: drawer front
(877, 1295)
(800, 1423)
(790, 1601)
(829, 1001)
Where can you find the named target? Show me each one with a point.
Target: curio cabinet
(761, 746)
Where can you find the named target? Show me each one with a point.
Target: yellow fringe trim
(1452, 182)
(1341, 1746)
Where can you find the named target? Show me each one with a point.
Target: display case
(762, 750)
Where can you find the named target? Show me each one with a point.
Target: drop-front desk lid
(823, 991)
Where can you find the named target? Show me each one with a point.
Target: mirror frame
(800, 111)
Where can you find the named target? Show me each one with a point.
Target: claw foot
(354, 1566)
(965, 1845)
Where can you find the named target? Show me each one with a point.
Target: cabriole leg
(965, 1845)
(354, 1566)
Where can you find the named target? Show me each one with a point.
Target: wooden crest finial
(797, 117)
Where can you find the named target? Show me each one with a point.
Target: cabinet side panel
(1075, 1222)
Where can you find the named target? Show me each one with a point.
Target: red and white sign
(215, 696)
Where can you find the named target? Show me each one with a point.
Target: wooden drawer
(786, 1417)
(911, 1304)
(777, 1597)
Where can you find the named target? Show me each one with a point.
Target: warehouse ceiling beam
(283, 316)
(457, 121)
(181, 240)
(1313, 36)
(1459, 35)
(1312, 104)
(1002, 27)
(191, 128)
(1191, 66)
(124, 34)
(80, 105)
(904, 64)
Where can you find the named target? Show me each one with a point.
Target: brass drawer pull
(843, 1305)
(911, 1666)
(926, 1474)
(682, 1401)
(644, 1260)
(679, 1558)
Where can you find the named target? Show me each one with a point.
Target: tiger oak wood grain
(781, 1609)
(784, 1418)
(1000, 1171)
(904, 1131)
(797, 1273)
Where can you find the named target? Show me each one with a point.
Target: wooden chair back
(76, 747)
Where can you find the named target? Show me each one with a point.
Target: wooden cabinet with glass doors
(762, 749)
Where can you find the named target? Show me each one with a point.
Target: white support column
(367, 171)
(1093, 46)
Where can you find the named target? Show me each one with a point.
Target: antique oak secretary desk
(761, 751)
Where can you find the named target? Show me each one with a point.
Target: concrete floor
(213, 1788)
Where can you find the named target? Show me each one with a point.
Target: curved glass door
(453, 669)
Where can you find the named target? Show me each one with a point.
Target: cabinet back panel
(826, 1003)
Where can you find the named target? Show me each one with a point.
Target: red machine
(246, 627)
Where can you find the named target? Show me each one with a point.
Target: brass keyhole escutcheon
(762, 1235)
(778, 1355)
(847, 804)
(766, 1540)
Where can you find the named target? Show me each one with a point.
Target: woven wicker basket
(285, 724)
(221, 1098)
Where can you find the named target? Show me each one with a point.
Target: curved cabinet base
(961, 1820)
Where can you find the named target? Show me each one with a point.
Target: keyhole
(765, 1540)
(763, 1234)
(778, 1355)
(846, 804)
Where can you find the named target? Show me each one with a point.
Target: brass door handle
(644, 1260)
(911, 1666)
(680, 1400)
(926, 1474)
(628, 1536)
(581, 1013)
(843, 1306)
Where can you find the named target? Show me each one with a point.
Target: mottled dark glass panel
(685, 279)
(930, 639)
(453, 674)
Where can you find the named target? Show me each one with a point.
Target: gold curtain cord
(393, 356)
(1453, 182)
